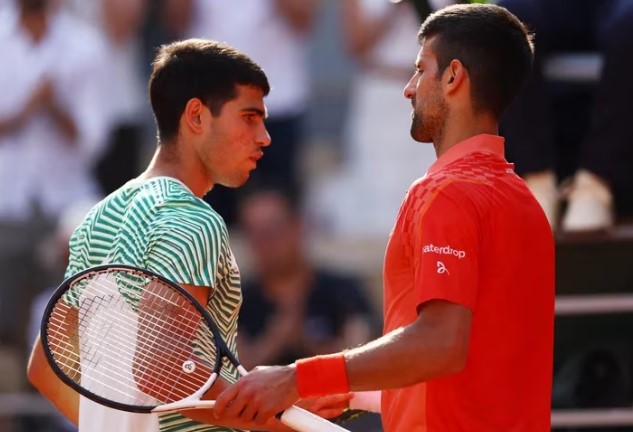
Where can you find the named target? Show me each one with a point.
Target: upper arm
(446, 326)
(200, 293)
(186, 246)
(446, 248)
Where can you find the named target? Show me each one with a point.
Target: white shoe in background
(589, 205)
(543, 187)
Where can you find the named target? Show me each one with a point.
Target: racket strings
(126, 334)
(154, 323)
(124, 380)
(87, 351)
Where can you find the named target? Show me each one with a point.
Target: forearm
(42, 377)
(404, 357)
(434, 345)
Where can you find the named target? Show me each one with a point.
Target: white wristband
(367, 401)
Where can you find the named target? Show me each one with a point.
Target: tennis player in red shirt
(469, 268)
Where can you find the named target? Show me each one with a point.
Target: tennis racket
(132, 340)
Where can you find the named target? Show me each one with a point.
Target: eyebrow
(260, 112)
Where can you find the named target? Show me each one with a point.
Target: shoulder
(466, 182)
(174, 198)
(179, 213)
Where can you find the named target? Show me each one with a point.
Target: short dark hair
(197, 68)
(492, 44)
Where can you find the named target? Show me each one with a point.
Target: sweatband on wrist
(322, 375)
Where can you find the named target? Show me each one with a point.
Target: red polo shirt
(470, 232)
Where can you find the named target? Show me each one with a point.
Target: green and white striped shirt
(159, 225)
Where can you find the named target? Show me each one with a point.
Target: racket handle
(295, 417)
(184, 405)
(304, 421)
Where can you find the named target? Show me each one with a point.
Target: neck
(463, 127)
(168, 162)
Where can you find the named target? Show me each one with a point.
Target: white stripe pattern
(160, 225)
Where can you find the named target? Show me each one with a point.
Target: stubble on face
(219, 162)
(429, 115)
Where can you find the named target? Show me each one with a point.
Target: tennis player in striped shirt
(208, 102)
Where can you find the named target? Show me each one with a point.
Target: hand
(260, 395)
(327, 406)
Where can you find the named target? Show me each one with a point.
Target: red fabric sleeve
(446, 252)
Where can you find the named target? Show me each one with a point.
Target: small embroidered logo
(441, 268)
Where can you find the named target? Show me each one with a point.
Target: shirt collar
(478, 143)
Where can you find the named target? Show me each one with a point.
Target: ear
(455, 77)
(192, 115)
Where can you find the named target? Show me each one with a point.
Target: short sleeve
(446, 248)
(185, 244)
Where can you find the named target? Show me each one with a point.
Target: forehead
(426, 55)
(247, 97)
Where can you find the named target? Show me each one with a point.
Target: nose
(409, 89)
(263, 137)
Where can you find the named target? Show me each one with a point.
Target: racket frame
(222, 349)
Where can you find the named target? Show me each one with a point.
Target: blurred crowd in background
(310, 228)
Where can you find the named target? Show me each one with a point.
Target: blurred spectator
(51, 131)
(606, 152)
(120, 22)
(381, 160)
(291, 307)
(275, 34)
(129, 110)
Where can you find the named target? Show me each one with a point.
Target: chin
(237, 182)
(420, 136)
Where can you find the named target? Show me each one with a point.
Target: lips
(257, 156)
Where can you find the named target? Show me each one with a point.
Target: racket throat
(190, 402)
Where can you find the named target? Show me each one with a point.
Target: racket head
(130, 339)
